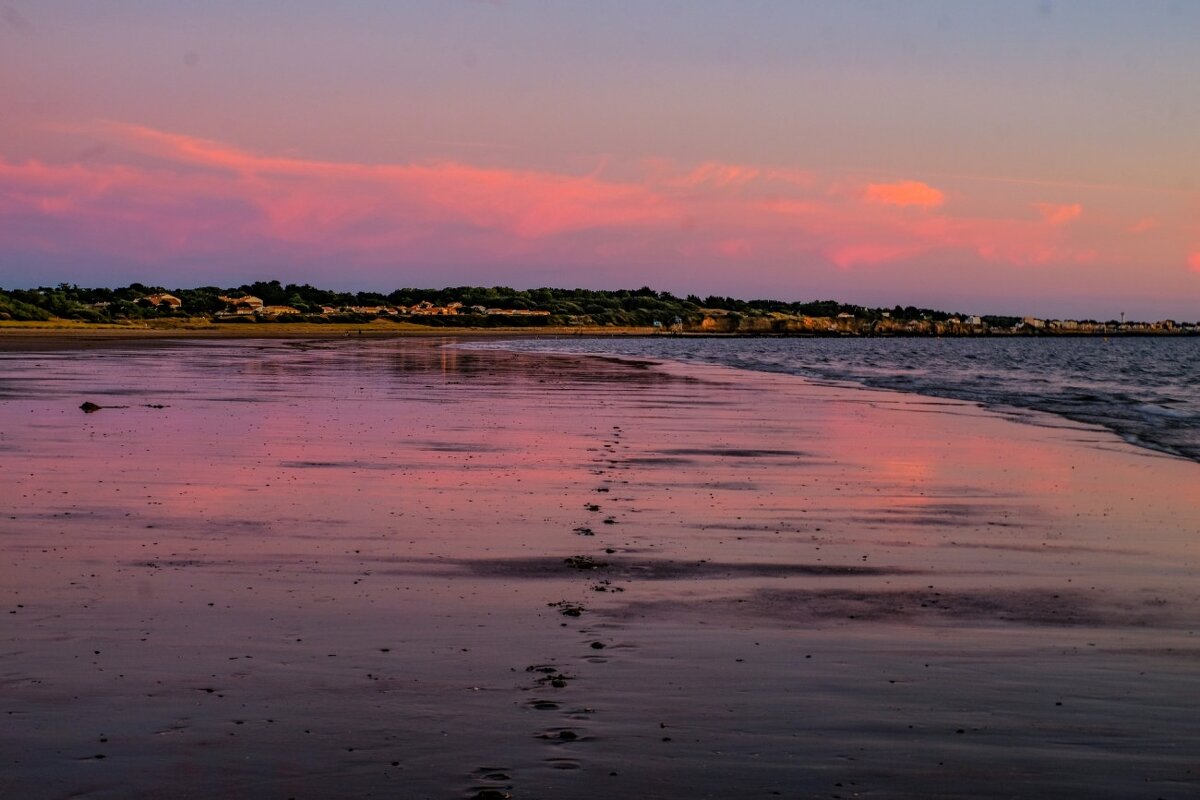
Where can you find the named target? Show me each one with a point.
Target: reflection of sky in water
(320, 559)
(1142, 388)
(361, 434)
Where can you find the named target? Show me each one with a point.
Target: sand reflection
(366, 567)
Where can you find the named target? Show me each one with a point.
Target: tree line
(639, 307)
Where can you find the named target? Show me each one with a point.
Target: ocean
(1143, 389)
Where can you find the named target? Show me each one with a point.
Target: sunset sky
(993, 157)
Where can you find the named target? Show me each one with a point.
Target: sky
(993, 156)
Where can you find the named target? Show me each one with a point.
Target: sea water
(1144, 388)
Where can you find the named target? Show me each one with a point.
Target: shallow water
(329, 568)
(1142, 388)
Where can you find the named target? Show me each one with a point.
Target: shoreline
(441, 572)
(1013, 411)
(30, 336)
(29, 339)
(15, 336)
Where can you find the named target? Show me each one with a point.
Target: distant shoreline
(65, 335)
(304, 309)
(19, 337)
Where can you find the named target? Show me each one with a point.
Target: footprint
(494, 783)
(560, 736)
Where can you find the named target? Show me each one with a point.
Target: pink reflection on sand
(336, 548)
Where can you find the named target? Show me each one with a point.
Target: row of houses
(1075, 326)
(162, 298)
(975, 324)
(248, 305)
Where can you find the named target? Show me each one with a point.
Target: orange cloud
(1143, 225)
(1059, 214)
(1194, 261)
(904, 193)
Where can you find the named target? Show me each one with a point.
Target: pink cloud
(737, 249)
(1194, 261)
(1143, 225)
(171, 195)
(850, 255)
(904, 193)
(718, 175)
(306, 197)
(1059, 214)
(793, 207)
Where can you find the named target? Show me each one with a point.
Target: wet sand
(323, 568)
(63, 335)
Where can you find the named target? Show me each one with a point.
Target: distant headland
(501, 308)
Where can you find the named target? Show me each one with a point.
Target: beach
(359, 566)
